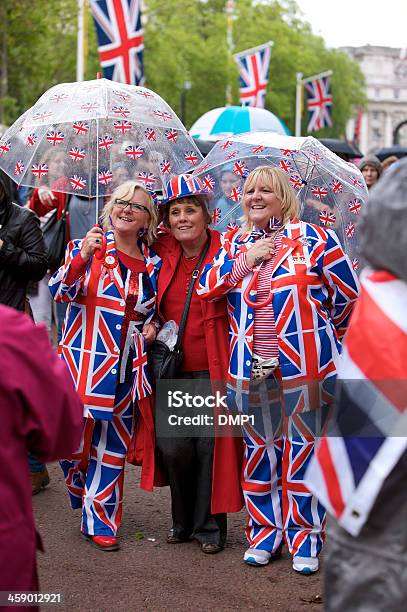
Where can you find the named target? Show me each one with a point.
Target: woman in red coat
(203, 472)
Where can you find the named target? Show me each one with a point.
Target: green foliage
(185, 41)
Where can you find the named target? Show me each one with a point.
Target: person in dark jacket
(23, 255)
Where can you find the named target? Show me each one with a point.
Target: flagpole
(230, 9)
(298, 104)
(321, 75)
(80, 42)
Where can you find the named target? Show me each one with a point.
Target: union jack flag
(355, 182)
(327, 218)
(258, 149)
(285, 165)
(133, 151)
(105, 177)
(208, 182)
(150, 134)
(350, 230)
(165, 166)
(216, 215)
(121, 40)
(78, 182)
(349, 467)
(162, 115)
(31, 139)
(286, 152)
(89, 107)
(319, 192)
(235, 194)
(5, 147)
(122, 95)
(231, 155)
(76, 154)
(231, 226)
(105, 142)
(19, 167)
(80, 127)
(55, 137)
(58, 97)
(296, 181)
(122, 126)
(145, 93)
(121, 110)
(319, 103)
(191, 157)
(147, 177)
(226, 144)
(42, 116)
(39, 170)
(253, 67)
(239, 168)
(336, 186)
(355, 206)
(171, 135)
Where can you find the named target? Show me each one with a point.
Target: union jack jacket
(91, 336)
(314, 289)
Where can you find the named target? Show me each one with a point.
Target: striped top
(265, 342)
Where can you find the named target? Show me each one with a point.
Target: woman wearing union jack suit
(203, 472)
(290, 291)
(111, 300)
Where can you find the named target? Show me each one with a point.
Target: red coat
(226, 489)
(39, 412)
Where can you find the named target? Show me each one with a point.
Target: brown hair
(198, 200)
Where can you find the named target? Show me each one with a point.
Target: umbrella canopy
(101, 133)
(343, 148)
(397, 150)
(331, 191)
(229, 120)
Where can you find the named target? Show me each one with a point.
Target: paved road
(149, 574)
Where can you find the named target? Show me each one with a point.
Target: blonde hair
(278, 181)
(125, 192)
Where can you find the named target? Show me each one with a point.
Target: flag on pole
(356, 129)
(318, 101)
(368, 435)
(253, 67)
(120, 38)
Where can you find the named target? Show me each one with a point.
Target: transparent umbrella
(103, 133)
(331, 191)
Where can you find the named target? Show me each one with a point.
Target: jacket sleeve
(215, 280)
(28, 260)
(341, 281)
(61, 290)
(34, 374)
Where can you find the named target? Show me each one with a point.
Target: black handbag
(54, 232)
(165, 362)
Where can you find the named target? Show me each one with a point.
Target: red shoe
(106, 543)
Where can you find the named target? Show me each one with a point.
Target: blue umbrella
(229, 120)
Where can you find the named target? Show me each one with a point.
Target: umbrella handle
(246, 294)
(100, 253)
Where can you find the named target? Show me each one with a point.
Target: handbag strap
(65, 208)
(184, 317)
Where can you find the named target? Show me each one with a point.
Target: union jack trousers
(94, 475)
(277, 450)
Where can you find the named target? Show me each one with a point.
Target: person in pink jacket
(31, 374)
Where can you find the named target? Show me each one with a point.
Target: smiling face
(187, 221)
(128, 220)
(261, 203)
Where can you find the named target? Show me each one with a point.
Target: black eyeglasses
(133, 205)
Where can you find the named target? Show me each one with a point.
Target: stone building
(385, 73)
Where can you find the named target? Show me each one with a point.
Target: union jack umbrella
(331, 191)
(101, 127)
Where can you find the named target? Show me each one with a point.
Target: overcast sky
(358, 22)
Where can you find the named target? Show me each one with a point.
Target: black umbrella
(397, 150)
(344, 149)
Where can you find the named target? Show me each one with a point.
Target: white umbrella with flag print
(106, 131)
(331, 191)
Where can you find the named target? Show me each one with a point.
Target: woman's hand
(46, 197)
(262, 250)
(149, 332)
(91, 242)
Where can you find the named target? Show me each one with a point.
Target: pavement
(149, 574)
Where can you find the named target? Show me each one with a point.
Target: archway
(396, 131)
